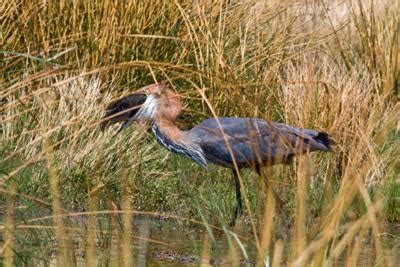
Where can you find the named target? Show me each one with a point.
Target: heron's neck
(175, 140)
(169, 129)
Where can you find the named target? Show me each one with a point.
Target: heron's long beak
(123, 109)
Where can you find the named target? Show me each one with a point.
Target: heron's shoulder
(229, 122)
(230, 126)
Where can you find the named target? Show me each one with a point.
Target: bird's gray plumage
(254, 141)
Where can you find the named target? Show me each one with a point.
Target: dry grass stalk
(90, 254)
(206, 251)
(127, 222)
(267, 228)
(299, 237)
(278, 254)
(7, 251)
(63, 255)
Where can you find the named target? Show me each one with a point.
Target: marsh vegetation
(69, 191)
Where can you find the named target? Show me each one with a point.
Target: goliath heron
(224, 141)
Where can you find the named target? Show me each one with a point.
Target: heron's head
(147, 104)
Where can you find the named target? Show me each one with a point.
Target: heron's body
(246, 142)
(251, 142)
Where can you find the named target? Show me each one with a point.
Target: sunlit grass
(70, 190)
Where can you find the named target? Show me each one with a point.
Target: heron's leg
(239, 207)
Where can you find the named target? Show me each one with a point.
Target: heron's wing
(251, 141)
(308, 139)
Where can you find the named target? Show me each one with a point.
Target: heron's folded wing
(249, 141)
(303, 140)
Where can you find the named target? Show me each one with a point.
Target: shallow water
(161, 242)
(188, 245)
(170, 243)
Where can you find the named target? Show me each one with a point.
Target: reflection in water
(159, 242)
(170, 243)
(144, 233)
(186, 245)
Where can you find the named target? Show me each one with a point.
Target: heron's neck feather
(169, 129)
(175, 140)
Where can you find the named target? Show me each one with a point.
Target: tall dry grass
(332, 66)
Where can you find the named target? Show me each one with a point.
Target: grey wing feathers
(255, 141)
(315, 140)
